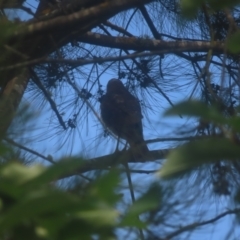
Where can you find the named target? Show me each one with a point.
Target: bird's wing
(129, 107)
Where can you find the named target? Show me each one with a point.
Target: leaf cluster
(33, 207)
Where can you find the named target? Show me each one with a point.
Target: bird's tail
(139, 150)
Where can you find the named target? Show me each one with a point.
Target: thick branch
(101, 12)
(149, 22)
(107, 161)
(140, 44)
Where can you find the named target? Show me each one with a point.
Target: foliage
(190, 8)
(164, 52)
(224, 145)
(33, 207)
(233, 42)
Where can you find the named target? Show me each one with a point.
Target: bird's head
(114, 85)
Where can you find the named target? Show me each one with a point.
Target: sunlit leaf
(19, 173)
(100, 217)
(61, 169)
(17, 179)
(4, 149)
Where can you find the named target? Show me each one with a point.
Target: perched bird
(121, 112)
(46, 6)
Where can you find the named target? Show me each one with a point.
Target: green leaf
(7, 28)
(201, 110)
(39, 203)
(233, 42)
(234, 123)
(13, 175)
(221, 4)
(100, 217)
(195, 153)
(149, 201)
(19, 174)
(18, 180)
(190, 8)
(104, 187)
(132, 221)
(197, 109)
(61, 169)
(4, 149)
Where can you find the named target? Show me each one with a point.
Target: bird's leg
(125, 147)
(116, 150)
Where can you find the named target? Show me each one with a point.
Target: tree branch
(49, 159)
(100, 12)
(198, 224)
(99, 60)
(147, 44)
(108, 161)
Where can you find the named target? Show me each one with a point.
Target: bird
(121, 113)
(46, 6)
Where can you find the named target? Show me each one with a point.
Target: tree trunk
(10, 98)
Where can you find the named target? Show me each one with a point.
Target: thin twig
(198, 224)
(28, 150)
(48, 97)
(118, 29)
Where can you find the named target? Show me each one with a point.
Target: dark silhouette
(121, 112)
